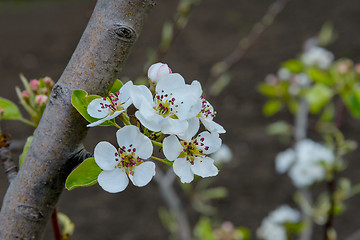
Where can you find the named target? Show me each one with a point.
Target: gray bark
(102, 51)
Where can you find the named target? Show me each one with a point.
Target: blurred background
(37, 38)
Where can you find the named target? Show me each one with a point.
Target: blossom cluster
(273, 226)
(305, 163)
(171, 113)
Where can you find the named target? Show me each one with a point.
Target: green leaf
(270, 90)
(204, 230)
(328, 114)
(80, 100)
(271, 107)
(319, 76)
(294, 65)
(352, 101)
(318, 96)
(116, 86)
(11, 111)
(242, 233)
(84, 175)
(26, 148)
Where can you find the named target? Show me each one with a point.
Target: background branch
(102, 51)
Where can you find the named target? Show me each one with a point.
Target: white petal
(131, 135)
(172, 147)
(143, 174)
(151, 124)
(173, 126)
(186, 105)
(169, 83)
(183, 170)
(192, 129)
(124, 92)
(114, 115)
(204, 167)
(113, 181)
(94, 108)
(212, 126)
(104, 154)
(284, 160)
(139, 95)
(208, 142)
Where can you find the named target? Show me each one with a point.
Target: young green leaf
(271, 107)
(116, 86)
(10, 110)
(84, 175)
(294, 65)
(80, 100)
(26, 148)
(318, 96)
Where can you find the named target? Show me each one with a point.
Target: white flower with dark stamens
(119, 165)
(109, 107)
(206, 116)
(157, 71)
(190, 157)
(173, 106)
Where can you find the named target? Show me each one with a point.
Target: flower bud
(45, 91)
(41, 100)
(25, 94)
(34, 85)
(48, 81)
(357, 68)
(157, 71)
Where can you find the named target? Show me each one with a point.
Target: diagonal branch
(101, 53)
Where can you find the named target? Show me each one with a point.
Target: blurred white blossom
(272, 227)
(317, 56)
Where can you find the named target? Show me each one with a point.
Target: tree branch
(6, 160)
(101, 53)
(165, 183)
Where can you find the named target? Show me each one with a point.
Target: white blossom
(126, 162)
(284, 73)
(173, 108)
(272, 227)
(317, 56)
(304, 162)
(110, 107)
(190, 157)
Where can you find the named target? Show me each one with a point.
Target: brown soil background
(38, 39)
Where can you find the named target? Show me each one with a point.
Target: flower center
(164, 105)
(127, 159)
(207, 111)
(114, 104)
(191, 149)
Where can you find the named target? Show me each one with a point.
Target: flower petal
(131, 136)
(151, 124)
(140, 94)
(192, 129)
(183, 170)
(124, 92)
(204, 167)
(113, 181)
(172, 147)
(104, 154)
(94, 108)
(169, 83)
(173, 126)
(111, 116)
(209, 142)
(212, 126)
(143, 174)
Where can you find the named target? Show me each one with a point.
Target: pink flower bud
(25, 94)
(357, 68)
(48, 81)
(41, 100)
(34, 85)
(157, 71)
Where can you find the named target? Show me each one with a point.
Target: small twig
(244, 44)
(165, 183)
(55, 225)
(300, 129)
